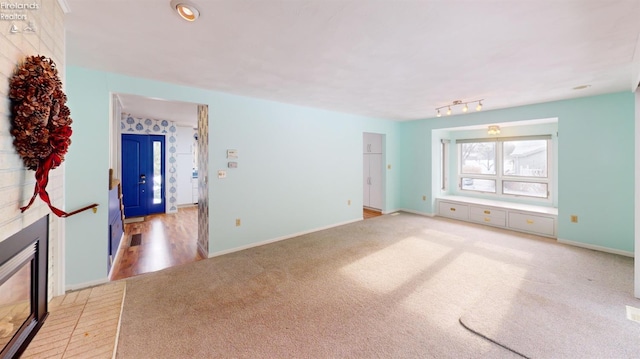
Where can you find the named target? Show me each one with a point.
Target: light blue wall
(595, 164)
(297, 166)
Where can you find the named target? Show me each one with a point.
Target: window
(517, 166)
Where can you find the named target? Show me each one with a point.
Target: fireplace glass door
(15, 303)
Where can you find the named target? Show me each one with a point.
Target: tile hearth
(81, 324)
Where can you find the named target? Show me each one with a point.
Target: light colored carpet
(544, 325)
(388, 287)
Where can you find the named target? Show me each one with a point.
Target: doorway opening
(171, 180)
(372, 175)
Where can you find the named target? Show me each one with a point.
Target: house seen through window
(512, 166)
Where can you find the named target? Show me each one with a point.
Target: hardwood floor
(167, 240)
(369, 213)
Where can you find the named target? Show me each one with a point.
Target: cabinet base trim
(596, 248)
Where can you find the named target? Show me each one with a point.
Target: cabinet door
(184, 140)
(376, 143)
(372, 143)
(184, 167)
(375, 181)
(453, 210)
(365, 180)
(532, 223)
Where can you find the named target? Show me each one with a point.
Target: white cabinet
(528, 222)
(518, 217)
(487, 215)
(372, 181)
(194, 190)
(372, 143)
(185, 139)
(453, 210)
(184, 174)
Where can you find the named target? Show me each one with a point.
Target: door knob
(143, 179)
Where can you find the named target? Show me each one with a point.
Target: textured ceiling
(389, 59)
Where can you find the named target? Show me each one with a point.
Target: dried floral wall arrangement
(40, 125)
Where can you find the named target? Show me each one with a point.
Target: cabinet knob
(487, 219)
(529, 221)
(487, 211)
(452, 209)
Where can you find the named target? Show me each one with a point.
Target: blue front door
(143, 174)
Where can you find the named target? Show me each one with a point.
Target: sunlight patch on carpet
(437, 235)
(389, 268)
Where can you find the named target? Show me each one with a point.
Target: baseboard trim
(417, 212)
(84, 285)
(273, 240)
(119, 254)
(596, 248)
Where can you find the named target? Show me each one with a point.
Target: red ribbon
(42, 179)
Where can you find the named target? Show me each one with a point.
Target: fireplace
(23, 287)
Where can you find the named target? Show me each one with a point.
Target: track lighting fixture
(457, 103)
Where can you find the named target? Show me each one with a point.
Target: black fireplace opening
(23, 287)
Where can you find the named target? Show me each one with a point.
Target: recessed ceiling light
(185, 9)
(582, 87)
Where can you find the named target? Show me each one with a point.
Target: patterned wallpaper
(147, 126)
(203, 188)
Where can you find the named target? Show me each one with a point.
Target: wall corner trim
(596, 248)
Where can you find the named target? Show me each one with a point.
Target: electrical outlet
(237, 222)
(424, 198)
(574, 218)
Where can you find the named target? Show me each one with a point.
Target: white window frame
(499, 177)
(444, 178)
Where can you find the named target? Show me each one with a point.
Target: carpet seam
(489, 339)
